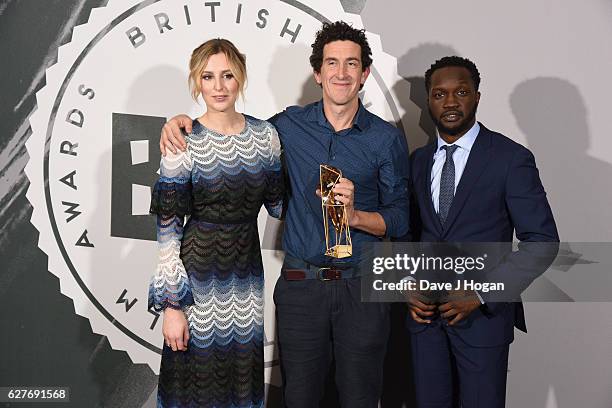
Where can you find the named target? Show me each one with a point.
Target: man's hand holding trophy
(337, 206)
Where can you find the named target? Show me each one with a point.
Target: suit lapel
(477, 162)
(426, 186)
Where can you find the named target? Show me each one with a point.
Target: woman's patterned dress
(211, 267)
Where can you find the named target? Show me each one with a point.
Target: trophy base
(340, 251)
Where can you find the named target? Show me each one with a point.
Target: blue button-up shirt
(371, 153)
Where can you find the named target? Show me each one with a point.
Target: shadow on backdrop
(419, 127)
(552, 114)
(287, 94)
(558, 134)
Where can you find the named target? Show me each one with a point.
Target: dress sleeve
(171, 200)
(275, 189)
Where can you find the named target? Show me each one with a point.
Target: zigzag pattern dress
(211, 267)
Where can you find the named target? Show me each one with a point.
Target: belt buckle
(320, 277)
(337, 271)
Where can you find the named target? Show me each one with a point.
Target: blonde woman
(209, 281)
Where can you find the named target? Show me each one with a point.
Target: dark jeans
(319, 320)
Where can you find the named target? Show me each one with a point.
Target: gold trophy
(339, 245)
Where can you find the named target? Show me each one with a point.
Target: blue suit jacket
(499, 193)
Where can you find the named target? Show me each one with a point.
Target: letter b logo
(135, 164)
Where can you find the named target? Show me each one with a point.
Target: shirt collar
(465, 142)
(361, 120)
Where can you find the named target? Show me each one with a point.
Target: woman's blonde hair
(199, 59)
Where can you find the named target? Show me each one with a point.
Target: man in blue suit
(470, 185)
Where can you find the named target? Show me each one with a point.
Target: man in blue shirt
(319, 311)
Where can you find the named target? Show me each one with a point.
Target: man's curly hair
(339, 31)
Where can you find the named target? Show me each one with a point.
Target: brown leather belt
(295, 269)
(323, 274)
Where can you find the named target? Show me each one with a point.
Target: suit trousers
(323, 321)
(450, 373)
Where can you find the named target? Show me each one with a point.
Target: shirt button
(333, 157)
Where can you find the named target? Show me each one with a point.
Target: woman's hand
(175, 329)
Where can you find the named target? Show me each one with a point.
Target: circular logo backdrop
(94, 151)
